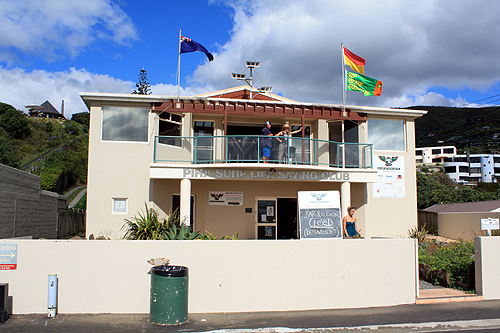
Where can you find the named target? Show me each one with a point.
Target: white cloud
(35, 87)
(410, 45)
(20, 88)
(53, 28)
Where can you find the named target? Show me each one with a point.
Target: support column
(345, 198)
(185, 209)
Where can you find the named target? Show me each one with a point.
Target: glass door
(203, 147)
(266, 218)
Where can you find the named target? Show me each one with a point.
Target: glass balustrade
(248, 149)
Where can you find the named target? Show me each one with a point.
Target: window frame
(125, 141)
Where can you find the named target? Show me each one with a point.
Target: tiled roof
(466, 207)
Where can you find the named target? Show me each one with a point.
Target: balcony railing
(248, 149)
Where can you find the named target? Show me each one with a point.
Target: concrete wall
(116, 169)
(395, 216)
(462, 225)
(486, 250)
(224, 276)
(25, 210)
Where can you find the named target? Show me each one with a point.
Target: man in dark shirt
(266, 142)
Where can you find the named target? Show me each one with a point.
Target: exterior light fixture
(237, 76)
(253, 63)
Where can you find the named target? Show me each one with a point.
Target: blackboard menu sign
(319, 214)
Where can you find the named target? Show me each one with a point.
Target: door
(266, 225)
(287, 226)
(203, 147)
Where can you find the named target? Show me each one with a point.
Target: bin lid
(167, 270)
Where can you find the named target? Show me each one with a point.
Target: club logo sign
(388, 160)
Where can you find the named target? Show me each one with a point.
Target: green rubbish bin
(169, 295)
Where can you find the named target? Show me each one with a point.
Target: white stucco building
(427, 155)
(474, 168)
(190, 153)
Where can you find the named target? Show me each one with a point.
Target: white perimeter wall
(486, 251)
(224, 276)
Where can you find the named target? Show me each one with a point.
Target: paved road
(80, 195)
(464, 317)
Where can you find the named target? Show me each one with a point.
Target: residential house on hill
(46, 110)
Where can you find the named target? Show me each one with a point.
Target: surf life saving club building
(203, 156)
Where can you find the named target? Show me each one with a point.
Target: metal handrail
(230, 149)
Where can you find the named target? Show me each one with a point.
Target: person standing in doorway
(283, 145)
(349, 224)
(266, 142)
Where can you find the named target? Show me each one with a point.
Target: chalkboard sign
(320, 223)
(319, 214)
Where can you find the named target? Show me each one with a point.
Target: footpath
(439, 317)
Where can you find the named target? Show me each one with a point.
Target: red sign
(5, 267)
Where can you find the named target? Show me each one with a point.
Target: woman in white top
(283, 142)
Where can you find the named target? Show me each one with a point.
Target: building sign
(489, 224)
(390, 176)
(8, 256)
(225, 198)
(319, 214)
(273, 173)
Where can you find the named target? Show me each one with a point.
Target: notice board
(319, 214)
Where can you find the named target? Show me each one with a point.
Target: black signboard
(320, 223)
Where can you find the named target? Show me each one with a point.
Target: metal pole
(179, 69)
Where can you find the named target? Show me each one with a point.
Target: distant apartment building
(474, 168)
(428, 155)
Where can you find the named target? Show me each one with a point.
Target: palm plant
(145, 226)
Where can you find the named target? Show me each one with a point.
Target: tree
(82, 118)
(8, 153)
(15, 123)
(142, 85)
(4, 107)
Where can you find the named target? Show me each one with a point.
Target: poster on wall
(390, 176)
(319, 214)
(225, 198)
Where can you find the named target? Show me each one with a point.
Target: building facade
(203, 155)
(474, 168)
(428, 155)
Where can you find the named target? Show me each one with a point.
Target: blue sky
(426, 53)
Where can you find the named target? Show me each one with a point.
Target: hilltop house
(202, 154)
(46, 110)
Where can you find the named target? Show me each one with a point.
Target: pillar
(185, 211)
(345, 197)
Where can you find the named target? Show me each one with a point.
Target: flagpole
(343, 79)
(179, 69)
(343, 100)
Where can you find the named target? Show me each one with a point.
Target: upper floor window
(386, 134)
(170, 127)
(125, 123)
(448, 150)
(436, 151)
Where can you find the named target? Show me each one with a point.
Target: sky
(441, 52)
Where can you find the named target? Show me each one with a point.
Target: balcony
(248, 149)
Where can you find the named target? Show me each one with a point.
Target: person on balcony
(283, 141)
(349, 224)
(266, 142)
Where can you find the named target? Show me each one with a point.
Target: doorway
(287, 219)
(276, 218)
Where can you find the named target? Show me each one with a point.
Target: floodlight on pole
(252, 64)
(237, 76)
(265, 89)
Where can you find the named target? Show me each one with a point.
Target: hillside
(56, 150)
(476, 129)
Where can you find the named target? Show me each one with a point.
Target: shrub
(454, 257)
(15, 123)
